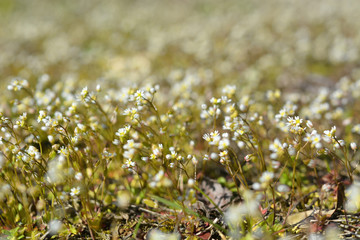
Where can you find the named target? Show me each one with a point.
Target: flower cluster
(131, 104)
(18, 84)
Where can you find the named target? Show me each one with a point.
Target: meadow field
(169, 119)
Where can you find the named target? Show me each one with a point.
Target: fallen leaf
(204, 236)
(220, 195)
(296, 218)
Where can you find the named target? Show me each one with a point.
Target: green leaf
(73, 229)
(138, 226)
(221, 180)
(150, 203)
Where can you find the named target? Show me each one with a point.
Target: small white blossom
(266, 177)
(75, 191)
(353, 146)
(353, 199)
(78, 176)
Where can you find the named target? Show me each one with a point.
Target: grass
(120, 120)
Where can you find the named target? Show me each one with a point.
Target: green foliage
(167, 120)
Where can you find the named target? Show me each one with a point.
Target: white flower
(139, 95)
(33, 152)
(123, 200)
(282, 188)
(191, 182)
(51, 139)
(132, 113)
(256, 186)
(309, 124)
(356, 129)
(339, 143)
(172, 155)
(158, 235)
(249, 207)
(116, 142)
(266, 177)
(282, 114)
(42, 115)
(123, 131)
(330, 133)
(229, 90)
(314, 138)
(214, 156)
(131, 144)
(129, 153)
(353, 146)
(215, 101)
(82, 127)
(129, 163)
(55, 226)
(194, 160)
(84, 92)
(75, 191)
(215, 138)
(18, 84)
(276, 146)
(64, 151)
(207, 137)
(78, 176)
(294, 122)
(224, 156)
(353, 200)
(224, 143)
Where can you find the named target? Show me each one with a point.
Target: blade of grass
(138, 225)
(173, 205)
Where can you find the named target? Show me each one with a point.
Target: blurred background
(298, 45)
